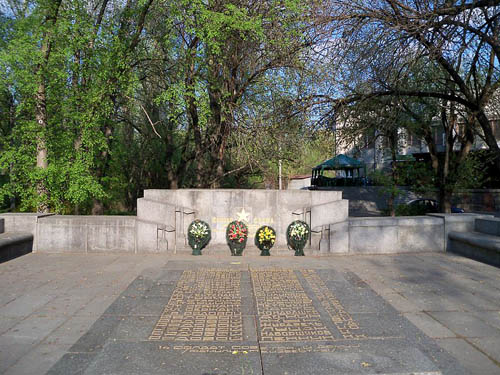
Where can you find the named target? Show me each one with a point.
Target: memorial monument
(164, 215)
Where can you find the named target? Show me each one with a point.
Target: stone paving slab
(89, 312)
(489, 346)
(298, 324)
(474, 361)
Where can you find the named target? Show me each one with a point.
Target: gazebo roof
(340, 162)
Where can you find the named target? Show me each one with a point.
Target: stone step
(476, 245)
(15, 244)
(489, 226)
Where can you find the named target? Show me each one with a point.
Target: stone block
(324, 196)
(395, 235)
(297, 184)
(339, 238)
(154, 238)
(458, 223)
(62, 234)
(421, 234)
(479, 246)
(329, 213)
(107, 234)
(155, 211)
(488, 226)
(23, 222)
(377, 238)
(67, 233)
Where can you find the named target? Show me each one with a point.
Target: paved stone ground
(124, 314)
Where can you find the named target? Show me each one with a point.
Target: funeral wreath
(265, 237)
(297, 235)
(199, 236)
(236, 237)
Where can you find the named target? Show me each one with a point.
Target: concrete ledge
(458, 223)
(479, 246)
(15, 244)
(480, 240)
(23, 222)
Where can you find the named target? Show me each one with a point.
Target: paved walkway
(94, 314)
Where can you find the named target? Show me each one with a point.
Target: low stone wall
(23, 222)
(163, 217)
(86, 234)
(396, 235)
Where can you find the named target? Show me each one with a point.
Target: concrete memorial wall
(277, 208)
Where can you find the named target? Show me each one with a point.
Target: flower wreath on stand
(265, 237)
(199, 235)
(236, 237)
(297, 235)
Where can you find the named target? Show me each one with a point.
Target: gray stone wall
(396, 235)
(23, 222)
(163, 218)
(277, 208)
(86, 234)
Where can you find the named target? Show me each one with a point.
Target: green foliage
(386, 181)
(470, 173)
(187, 94)
(407, 210)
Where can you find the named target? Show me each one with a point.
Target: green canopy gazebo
(339, 162)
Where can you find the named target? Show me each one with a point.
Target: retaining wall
(160, 226)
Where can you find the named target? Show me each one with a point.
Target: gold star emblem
(243, 215)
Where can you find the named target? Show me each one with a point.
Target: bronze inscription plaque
(285, 312)
(205, 306)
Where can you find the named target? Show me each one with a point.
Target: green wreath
(297, 235)
(199, 235)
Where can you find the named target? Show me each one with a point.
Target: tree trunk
(98, 204)
(97, 207)
(489, 137)
(41, 146)
(41, 116)
(392, 198)
(445, 198)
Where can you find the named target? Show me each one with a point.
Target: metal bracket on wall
(183, 211)
(163, 230)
